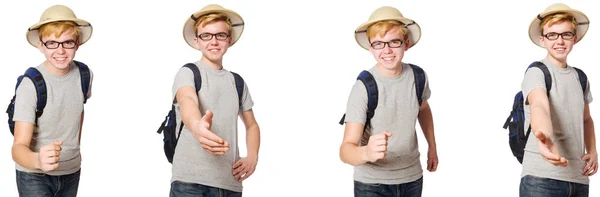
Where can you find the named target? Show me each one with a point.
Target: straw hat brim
(414, 31)
(85, 27)
(237, 23)
(582, 24)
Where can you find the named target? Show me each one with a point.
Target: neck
(54, 71)
(217, 65)
(560, 63)
(390, 73)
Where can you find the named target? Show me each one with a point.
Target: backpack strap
(583, 80)
(372, 95)
(197, 78)
(419, 81)
(239, 86)
(547, 77)
(84, 72)
(40, 88)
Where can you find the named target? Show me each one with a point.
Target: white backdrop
(300, 61)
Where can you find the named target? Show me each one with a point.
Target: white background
(300, 61)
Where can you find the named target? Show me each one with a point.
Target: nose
(60, 49)
(213, 41)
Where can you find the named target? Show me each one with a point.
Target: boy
(46, 148)
(206, 160)
(561, 154)
(384, 149)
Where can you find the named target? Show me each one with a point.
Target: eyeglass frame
(387, 43)
(560, 35)
(59, 44)
(213, 35)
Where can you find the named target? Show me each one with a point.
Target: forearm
(26, 158)
(589, 136)
(352, 154)
(426, 122)
(253, 140)
(540, 119)
(190, 112)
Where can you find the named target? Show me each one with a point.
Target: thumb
(586, 158)
(387, 134)
(208, 115)
(58, 143)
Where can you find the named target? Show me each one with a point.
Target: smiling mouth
(60, 58)
(387, 58)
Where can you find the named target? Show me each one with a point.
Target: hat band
(232, 25)
(80, 26)
(578, 23)
(406, 25)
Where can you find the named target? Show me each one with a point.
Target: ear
(196, 42)
(542, 40)
(575, 39)
(406, 44)
(40, 46)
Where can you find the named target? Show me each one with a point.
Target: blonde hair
(382, 27)
(556, 18)
(211, 18)
(58, 28)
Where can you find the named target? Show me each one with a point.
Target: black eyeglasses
(209, 36)
(69, 44)
(396, 43)
(565, 35)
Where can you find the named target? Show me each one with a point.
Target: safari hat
(387, 13)
(583, 23)
(237, 23)
(59, 13)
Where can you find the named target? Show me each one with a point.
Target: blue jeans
(411, 189)
(43, 185)
(182, 189)
(532, 186)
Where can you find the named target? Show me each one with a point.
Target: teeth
(387, 58)
(60, 58)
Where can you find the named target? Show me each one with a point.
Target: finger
(250, 172)
(207, 116)
(209, 142)
(58, 143)
(212, 137)
(595, 169)
(218, 149)
(237, 173)
(237, 164)
(586, 158)
(429, 165)
(588, 167)
(225, 143)
(435, 165)
(387, 134)
(549, 155)
(207, 149)
(380, 148)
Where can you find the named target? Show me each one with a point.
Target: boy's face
(390, 54)
(213, 40)
(59, 52)
(559, 39)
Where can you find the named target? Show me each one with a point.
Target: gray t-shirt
(397, 112)
(61, 119)
(566, 110)
(191, 163)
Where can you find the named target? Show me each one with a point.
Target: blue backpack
(517, 136)
(42, 93)
(373, 95)
(170, 125)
